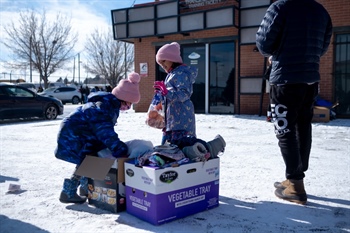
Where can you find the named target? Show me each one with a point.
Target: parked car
(57, 84)
(29, 86)
(19, 102)
(65, 94)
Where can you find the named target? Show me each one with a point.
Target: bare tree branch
(47, 46)
(106, 57)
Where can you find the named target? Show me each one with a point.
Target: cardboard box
(321, 114)
(106, 182)
(162, 195)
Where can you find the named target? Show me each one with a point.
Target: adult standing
(82, 93)
(296, 33)
(87, 93)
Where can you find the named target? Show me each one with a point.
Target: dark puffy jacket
(89, 129)
(296, 33)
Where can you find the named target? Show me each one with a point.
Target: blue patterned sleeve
(102, 124)
(179, 85)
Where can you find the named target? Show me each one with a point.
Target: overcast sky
(86, 15)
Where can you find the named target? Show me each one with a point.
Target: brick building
(218, 36)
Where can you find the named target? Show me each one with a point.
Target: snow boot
(197, 152)
(83, 189)
(281, 185)
(83, 192)
(216, 146)
(69, 192)
(295, 192)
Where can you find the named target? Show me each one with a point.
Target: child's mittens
(121, 150)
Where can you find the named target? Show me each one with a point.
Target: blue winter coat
(89, 129)
(296, 33)
(179, 107)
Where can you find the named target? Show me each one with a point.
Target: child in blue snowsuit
(90, 128)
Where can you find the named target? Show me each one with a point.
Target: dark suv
(19, 102)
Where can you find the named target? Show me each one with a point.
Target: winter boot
(295, 192)
(69, 192)
(281, 185)
(83, 192)
(197, 152)
(216, 146)
(83, 189)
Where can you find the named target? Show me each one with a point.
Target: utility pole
(74, 70)
(30, 58)
(125, 60)
(78, 68)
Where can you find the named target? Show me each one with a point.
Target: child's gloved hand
(121, 150)
(160, 87)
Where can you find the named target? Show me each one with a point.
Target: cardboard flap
(95, 167)
(121, 174)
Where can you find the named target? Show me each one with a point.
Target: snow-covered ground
(249, 167)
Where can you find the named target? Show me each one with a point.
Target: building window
(342, 74)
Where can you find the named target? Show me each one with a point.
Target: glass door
(194, 55)
(222, 78)
(342, 74)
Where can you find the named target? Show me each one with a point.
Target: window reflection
(222, 78)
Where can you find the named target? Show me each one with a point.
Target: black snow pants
(292, 112)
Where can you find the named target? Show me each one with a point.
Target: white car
(65, 94)
(29, 86)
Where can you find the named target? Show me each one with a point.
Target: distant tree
(106, 56)
(44, 45)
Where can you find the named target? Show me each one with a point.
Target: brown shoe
(281, 185)
(295, 192)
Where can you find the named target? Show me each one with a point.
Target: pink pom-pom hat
(128, 89)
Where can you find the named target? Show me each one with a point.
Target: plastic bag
(155, 114)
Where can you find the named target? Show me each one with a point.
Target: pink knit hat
(128, 89)
(169, 52)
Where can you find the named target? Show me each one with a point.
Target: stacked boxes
(162, 195)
